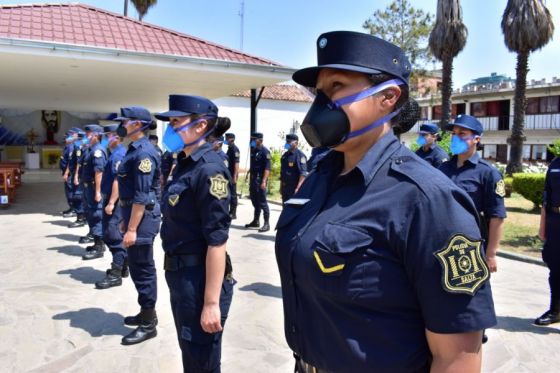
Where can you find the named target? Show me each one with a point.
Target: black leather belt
(553, 209)
(176, 262)
(125, 202)
(87, 184)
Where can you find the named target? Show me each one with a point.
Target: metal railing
(505, 122)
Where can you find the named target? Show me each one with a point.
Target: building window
(478, 109)
(489, 151)
(549, 104)
(538, 153)
(424, 112)
(436, 112)
(526, 152)
(532, 105)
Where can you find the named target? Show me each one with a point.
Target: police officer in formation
(77, 188)
(217, 143)
(233, 167)
(429, 150)
(482, 182)
(112, 216)
(139, 183)
(293, 168)
(194, 231)
(259, 171)
(549, 232)
(368, 284)
(69, 139)
(93, 164)
(168, 163)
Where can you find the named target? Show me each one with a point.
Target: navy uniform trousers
(258, 196)
(77, 196)
(93, 210)
(201, 351)
(551, 253)
(112, 235)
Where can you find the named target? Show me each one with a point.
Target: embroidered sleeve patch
(219, 186)
(464, 270)
(267, 155)
(328, 266)
(173, 199)
(145, 165)
(501, 188)
(79, 153)
(303, 160)
(98, 153)
(174, 155)
(117, 166)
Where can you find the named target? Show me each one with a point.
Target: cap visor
(120, 119)
(172, 113)
(308, 76)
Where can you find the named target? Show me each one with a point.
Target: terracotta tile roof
(84, 25)
(282, 92)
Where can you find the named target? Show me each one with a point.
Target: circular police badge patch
(219, 186)
(145, 165)
(79, 153)
(98, 153)
(464, 270)
(501, 188)
(323, 43)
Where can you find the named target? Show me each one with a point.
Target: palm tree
(527, 26)
(142, 7)
(447, 39)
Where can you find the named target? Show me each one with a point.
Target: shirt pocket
(341, 263)
(174, 202)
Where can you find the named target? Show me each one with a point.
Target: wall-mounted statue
(51, 120)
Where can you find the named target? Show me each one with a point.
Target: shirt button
(293, 329)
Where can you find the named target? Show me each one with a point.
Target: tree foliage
(142, 6)
(403, 25)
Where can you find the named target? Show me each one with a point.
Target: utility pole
(242, 15)
(126, 8)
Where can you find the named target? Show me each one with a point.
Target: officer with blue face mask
(112, 216)
(293, 168)
(368, 284)
(139, 183)
(217, 143)
(92, 171)
(195, 229)
(77, 188)
(429, 150)
(233, 167)
(259, 171)
(482, 182)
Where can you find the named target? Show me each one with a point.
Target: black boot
(233, 213)
(124, 273)
(87, 238)
(113, 278)
(68, 213)
(147, 322)
(255, 223)
(551, 316)
(266, 226)
(80, 221)
(96, 251)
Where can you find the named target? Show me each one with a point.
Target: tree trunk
(520, 105)
(446, 90)
(126, 8)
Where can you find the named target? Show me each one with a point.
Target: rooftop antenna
(242, 15)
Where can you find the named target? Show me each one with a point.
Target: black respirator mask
(121, 129)
(327, 125)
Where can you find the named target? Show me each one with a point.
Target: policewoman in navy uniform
(77, 187)
(92, 171)
(259, 171)
(194, 231)
(112, 216)
(233, 167)
(549, 232)
(293, 167)
(139, 181)
(482, 182)
(429, 150)
(368, 284)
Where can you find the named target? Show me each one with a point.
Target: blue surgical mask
(253, 144)
(421, 140)
(85, 141)
(105, 141)
(459, 145)
(287, 146)
(172, 141)
(69, 138)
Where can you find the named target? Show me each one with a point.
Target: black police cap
(184, 105)
(95, 128)
(256, 135)
(230, 135)
(110, 128)
(292, 137)
(134, 113)
(355, 51)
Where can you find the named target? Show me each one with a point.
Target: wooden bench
(17, 168)
(7, 184)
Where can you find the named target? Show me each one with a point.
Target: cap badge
(323, 43)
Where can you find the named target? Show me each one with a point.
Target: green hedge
(509, 185)
(530, 186)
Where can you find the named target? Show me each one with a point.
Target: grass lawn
(521, 227)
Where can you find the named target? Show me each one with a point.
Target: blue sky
(285, 31)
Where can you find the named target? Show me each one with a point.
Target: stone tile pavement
(53, 320)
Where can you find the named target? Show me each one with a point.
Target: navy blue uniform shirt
(66, 154)
(111, 169)
(482, 182)
(260, 161)
(73, 160)
(233, 157)
(364, 262)
(168, 159)
(195, 204)
(84, 150)
(434, 156)
(94, 161)
(224, 158)
(551, 195)
(293, 165)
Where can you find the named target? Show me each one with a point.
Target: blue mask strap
(186, 126)
(139, 129)
(367, 93)
(375, 124)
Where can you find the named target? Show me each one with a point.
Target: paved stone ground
(53, 320)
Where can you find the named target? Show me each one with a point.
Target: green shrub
(554, 148)
(530, 186)
(509, 185)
